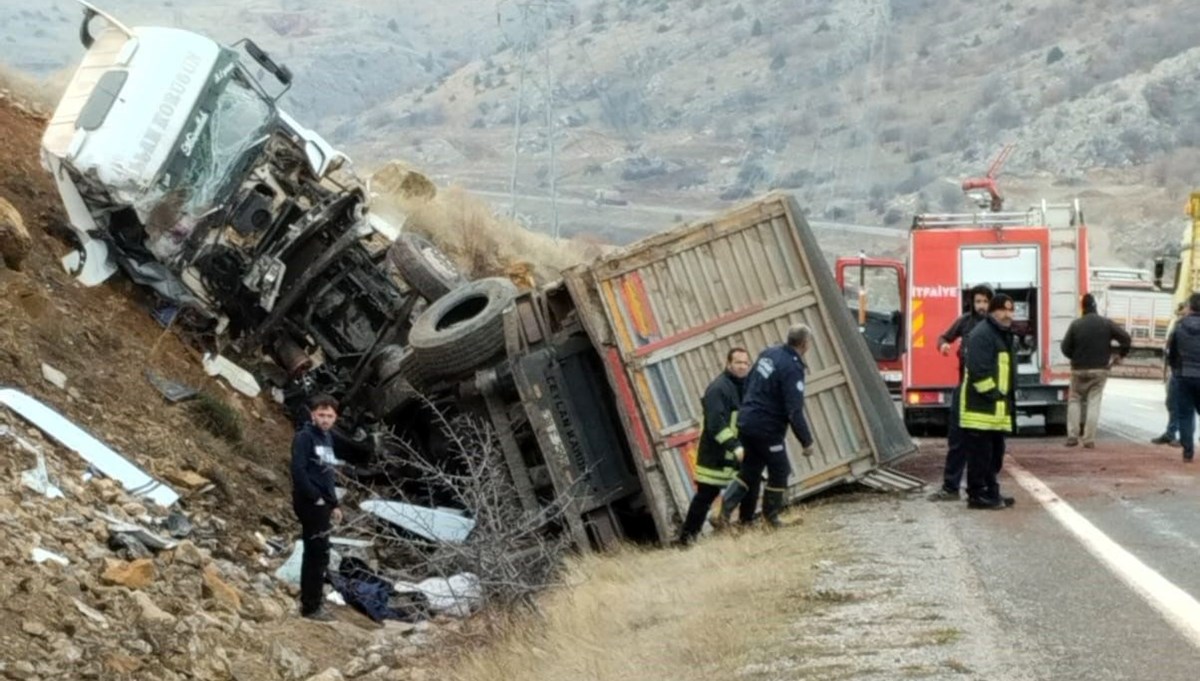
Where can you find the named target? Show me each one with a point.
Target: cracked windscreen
(227, 128)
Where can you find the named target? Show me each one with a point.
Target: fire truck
(1037, 256)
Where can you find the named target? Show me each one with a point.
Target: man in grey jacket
(1089, 346)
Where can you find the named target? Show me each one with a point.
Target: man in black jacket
(987, 409)
(314, 498)
(1089, 346)
(774, 399)
(956, 456)
(1183, 352)
(720, 451)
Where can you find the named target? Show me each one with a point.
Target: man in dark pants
(956, 457)
(1183, 352)
(987, 408)
(314, 498)
(774, 399)
(1170, 380)
(720, 451)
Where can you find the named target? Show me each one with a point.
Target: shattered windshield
(229, 125)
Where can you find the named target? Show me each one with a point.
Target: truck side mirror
(898, 324)
(1160, 268)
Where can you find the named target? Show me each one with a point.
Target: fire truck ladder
(1064, 221)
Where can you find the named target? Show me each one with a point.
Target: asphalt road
(1103, 593)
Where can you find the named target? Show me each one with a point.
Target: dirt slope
(72, 622)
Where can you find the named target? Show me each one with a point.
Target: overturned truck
(178, 168)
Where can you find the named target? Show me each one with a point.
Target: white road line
(1176, 605)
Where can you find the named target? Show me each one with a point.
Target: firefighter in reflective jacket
(986, 409)
(774, 399)
(720, 451)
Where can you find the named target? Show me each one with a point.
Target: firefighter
(956, 458)
(720, 452)
(774, 399)
(986, 409)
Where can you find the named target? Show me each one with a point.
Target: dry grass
(658, 614)
(482, 243)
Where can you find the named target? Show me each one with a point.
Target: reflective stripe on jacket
(989, 380)
(716, 463)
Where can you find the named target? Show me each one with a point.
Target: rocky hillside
(664, 110)
(868, 109)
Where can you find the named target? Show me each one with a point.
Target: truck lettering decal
(189, 140)
(166, 109)
(939, 291)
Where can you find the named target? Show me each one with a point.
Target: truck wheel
(424, 266)
(464, 329)
(393, 396)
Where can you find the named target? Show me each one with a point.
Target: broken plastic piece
(240, 379)
(173, 391)
(178, 524)
(432, 523)
(54, 377)
(457, 596)
(38, 477)
(42, 555)
(146, 537)
(133, 479)
(289, 572)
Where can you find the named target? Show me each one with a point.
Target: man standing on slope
(774, 399)
(1089, 346)
(314, 498)
(986, 410)
(720, 452)
(956, 457)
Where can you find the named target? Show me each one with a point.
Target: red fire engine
(1039, 257)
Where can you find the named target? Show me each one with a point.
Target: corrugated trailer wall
(673, 305)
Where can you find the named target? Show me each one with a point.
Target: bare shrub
(515, 554)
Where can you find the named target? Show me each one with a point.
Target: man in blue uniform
(720, 451)
(774, 399)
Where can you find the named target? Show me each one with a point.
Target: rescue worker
(1089, 345)
(987, 406)
(720, 452)
(1183, 352)
(774, 399)
(1170, 436)
(956, 457)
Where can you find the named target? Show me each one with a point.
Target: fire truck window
(883, 289)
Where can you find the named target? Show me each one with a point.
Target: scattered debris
(38, 478)
(174, 392)
(178, 524)
(143, 535)
(42, 555)
(237, 377)
(95, 452)
(366, 591)
(437, 524)
(456, 596)
(127, 546)
(54, 377)
(89, 612)
(289, 572)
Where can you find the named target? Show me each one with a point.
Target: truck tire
(463, 330)
(393, 396)
(424, 266)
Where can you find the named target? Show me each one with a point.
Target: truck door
(874, 291)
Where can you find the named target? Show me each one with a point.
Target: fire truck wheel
(424, 266)
(463, 330)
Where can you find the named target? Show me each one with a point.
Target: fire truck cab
(876, 292)
(1039, 257)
